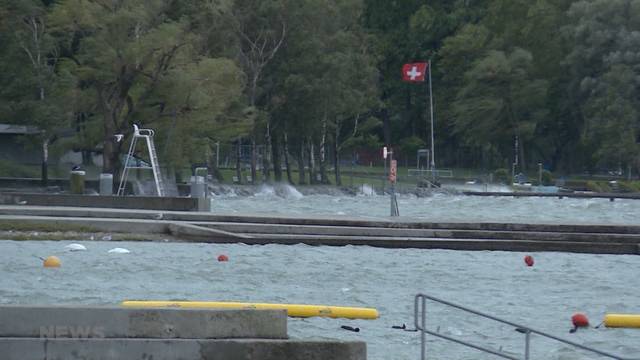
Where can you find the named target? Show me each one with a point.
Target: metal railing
(426, 173)
(420, 314)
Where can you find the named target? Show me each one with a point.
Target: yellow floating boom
(622, 320)
(293, 310)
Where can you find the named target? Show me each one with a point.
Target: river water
(543, 296)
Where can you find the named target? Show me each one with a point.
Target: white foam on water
(366, 190)
(265, 191)
(291, 192)
(75, 247)
(439, 207)
(542, 297)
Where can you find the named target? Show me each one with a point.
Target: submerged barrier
(293, 310)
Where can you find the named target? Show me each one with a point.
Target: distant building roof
(18, 129)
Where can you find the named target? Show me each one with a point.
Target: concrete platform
(559, 195)
(115, 333)
(119, 202)
(116, 322)
(178, 349)
(392, 233)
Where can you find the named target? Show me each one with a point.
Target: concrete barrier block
(178, 349)
(166, 323)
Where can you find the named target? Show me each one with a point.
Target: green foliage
(559, 75)
(502, 176)
(598, 186)
(409, 147)
(547, 178)
(11, 169)
(603, 48)
(139, 64)
(500, 100)
(629, 186)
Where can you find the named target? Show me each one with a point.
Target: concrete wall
(179, 349)
(162, 323)
(117, 202)
(112, 333)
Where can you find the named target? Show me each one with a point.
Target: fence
(420, 315)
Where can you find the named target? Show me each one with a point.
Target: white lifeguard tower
(130, 163)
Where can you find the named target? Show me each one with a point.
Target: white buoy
(119, 251)
(75, 247)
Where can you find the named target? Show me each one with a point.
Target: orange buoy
(580, 320)
(51, 262)
(528, 260)
(223, 257)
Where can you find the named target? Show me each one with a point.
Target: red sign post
(393, 171)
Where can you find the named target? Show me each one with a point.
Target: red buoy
(528, 260)
(223, 257)
(580, 320)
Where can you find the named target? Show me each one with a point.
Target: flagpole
(433, 155)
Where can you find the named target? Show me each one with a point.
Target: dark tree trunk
(238, 156)
(312, 163)
(254, 159)
(336, 160)
(322, 150)
(301, 172)
(266, 157)
(275, 150)
(386, 126)
(286, 159)
(45, 162)
(523, 163)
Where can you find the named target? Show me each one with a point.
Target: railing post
(527, 339)
(420, 325)
(423, 335)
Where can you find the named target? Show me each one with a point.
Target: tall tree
(39, 86)
(500, 101)
(140, 64)
(328, 78)
(260, 28)
(604, 67)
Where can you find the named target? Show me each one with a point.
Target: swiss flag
(414, 72)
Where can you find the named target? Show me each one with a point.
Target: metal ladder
(146, 134)
(420, 325)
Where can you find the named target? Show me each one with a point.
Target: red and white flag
(414, 72)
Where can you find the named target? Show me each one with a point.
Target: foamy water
(543, 297)
(368, 203)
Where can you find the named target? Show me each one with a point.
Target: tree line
(311, 81)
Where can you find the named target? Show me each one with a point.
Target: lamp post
(539, 174)
(393, 171)
(433, 154)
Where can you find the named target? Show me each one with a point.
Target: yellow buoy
(622, 320)
(293, 310)
(52, 262)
